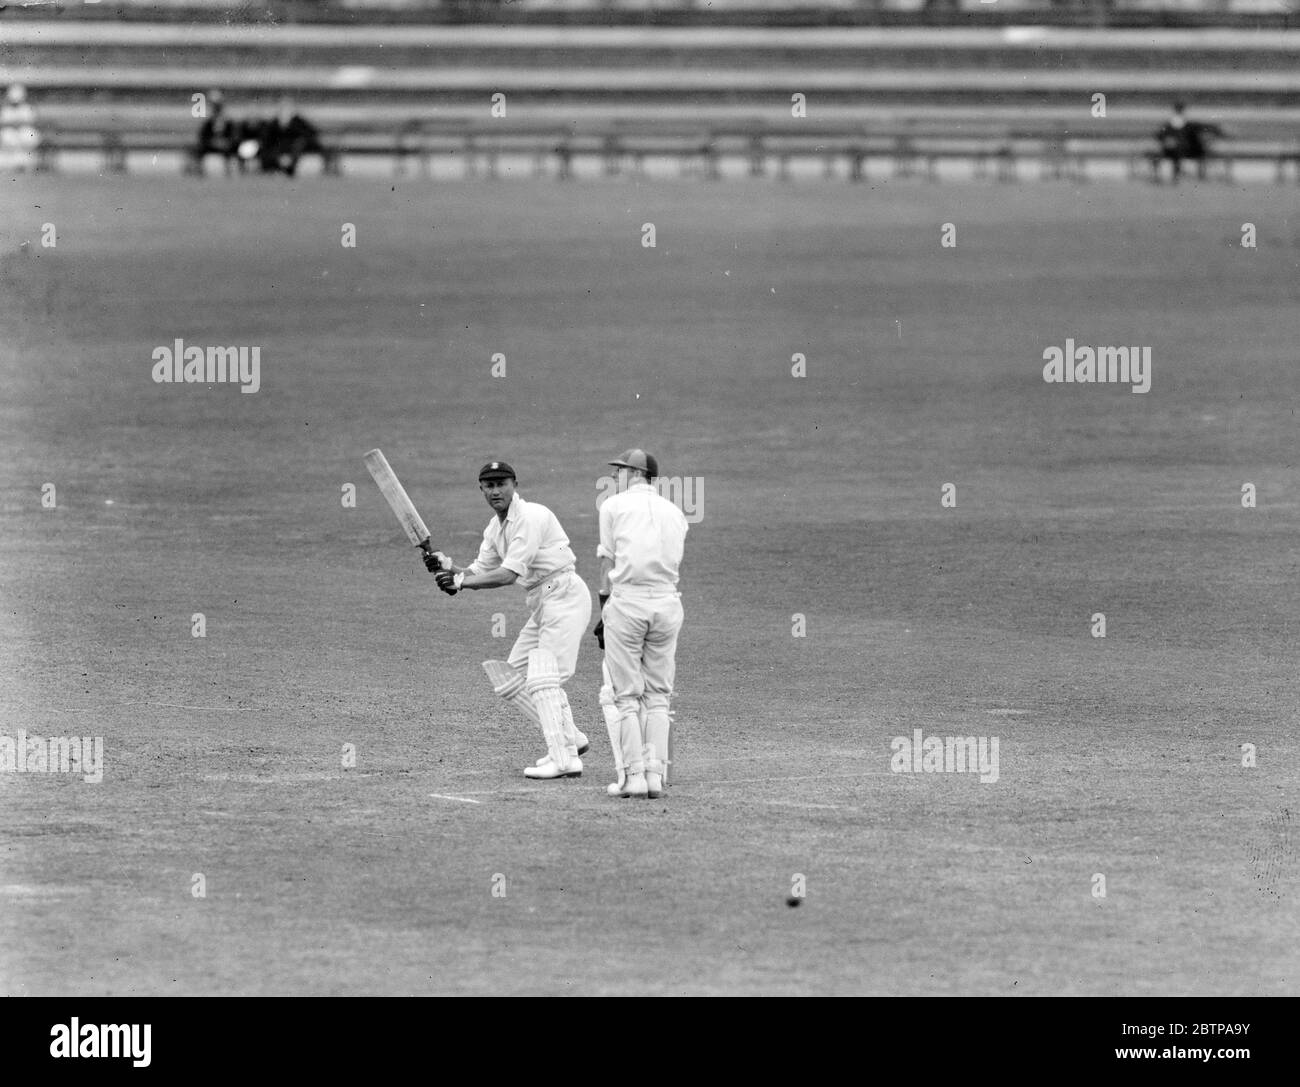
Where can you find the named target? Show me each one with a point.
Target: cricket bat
(397, 497)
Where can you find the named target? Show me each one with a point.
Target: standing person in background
(642, 538)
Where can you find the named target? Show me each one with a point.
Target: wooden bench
(622, 145)
(479, 145)
(627, 143)
(1143, 158)
(1281, 156)
(114, 144)
(111, 144)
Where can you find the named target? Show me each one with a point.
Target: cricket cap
(639, 459)
(497, 469)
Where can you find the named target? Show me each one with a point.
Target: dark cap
(497, 469)
(639, 459)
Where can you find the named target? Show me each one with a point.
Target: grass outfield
(1119, 757)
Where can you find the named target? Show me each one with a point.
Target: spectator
(1173, 141)
(1200, 142)
(275, 144)
(216, 135)
(285, 139)
(246, 138)
(18, 135)
(1181, 139)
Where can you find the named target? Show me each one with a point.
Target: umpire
(642, 537)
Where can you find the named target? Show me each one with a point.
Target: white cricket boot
(654, 771)
(547, 770)
(583, 746)
(658, 721)
(633, 748)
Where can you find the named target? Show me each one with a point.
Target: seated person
(285, 139)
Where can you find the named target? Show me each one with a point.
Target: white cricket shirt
(529, 541)
(644, 534)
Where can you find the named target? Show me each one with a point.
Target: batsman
(524, 543)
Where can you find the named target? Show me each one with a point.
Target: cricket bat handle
(427, 547)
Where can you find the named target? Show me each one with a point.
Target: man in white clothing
(524, 542)
(642, 537)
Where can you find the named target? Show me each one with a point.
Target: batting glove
(448, 582)
(435, 561)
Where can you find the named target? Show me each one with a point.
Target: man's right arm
(487, 559)
(605, 550)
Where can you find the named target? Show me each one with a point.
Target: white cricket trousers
(560, 609)
(641, 647)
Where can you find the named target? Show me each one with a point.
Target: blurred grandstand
(611, 85)
(1141, 13)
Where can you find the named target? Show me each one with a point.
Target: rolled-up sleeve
(488, 559)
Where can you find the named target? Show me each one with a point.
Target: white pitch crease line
(797, 804)
(710, 760)
(462, 799)
(165, 705)
(790, 777)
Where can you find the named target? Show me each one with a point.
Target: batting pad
(612, 723)
(566, 718)
(507, 683)
(543, 686)
(658, 722)
(632, 742)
